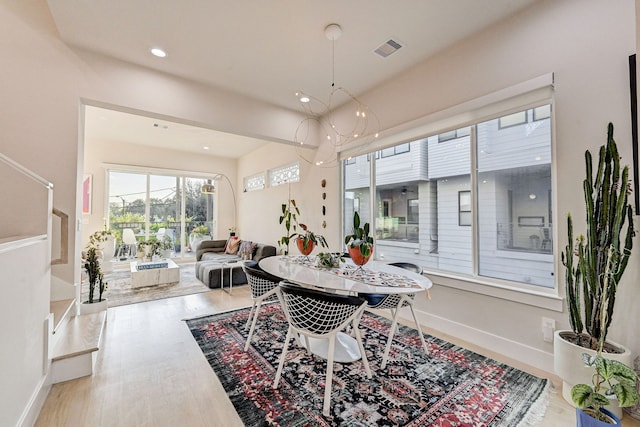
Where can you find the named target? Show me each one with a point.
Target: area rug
(119, 290)
(449, 386)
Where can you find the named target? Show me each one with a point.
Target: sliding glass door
(169, 208)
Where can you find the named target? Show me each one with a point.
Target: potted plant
(309, 240)
(289, 218)
(591, 277)
(197, 235)
(610, 379)
(96, 279)
(329, 260)
(359, 243)
(105, 243)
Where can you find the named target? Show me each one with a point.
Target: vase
(583, 419)
(357, 257)
(568, 365)
(94, 307)
(303, 251)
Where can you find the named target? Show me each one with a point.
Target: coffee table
(154, 276)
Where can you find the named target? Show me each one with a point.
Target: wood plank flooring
(151, 372)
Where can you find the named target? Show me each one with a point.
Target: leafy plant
(201, 230)
(329, 260)
(360, 237)
(611, 377)
(100, 237)
(289, 218)
(607, 210)
(310, 236)
(92, 266)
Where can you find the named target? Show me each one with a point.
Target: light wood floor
(151, 372)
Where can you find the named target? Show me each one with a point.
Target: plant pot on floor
(583, 419)
(567, 364)
(94, 307)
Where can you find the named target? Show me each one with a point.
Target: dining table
(375, 277)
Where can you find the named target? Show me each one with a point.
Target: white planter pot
(568, 365)
(94, 307)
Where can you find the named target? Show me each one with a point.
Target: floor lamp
(211, 189)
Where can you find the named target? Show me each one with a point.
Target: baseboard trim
(514, 350)
(36, 402)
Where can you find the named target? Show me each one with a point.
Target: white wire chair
(264, 287)
(315, 314)
(395, 302)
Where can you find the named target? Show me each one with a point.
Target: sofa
(210, 257)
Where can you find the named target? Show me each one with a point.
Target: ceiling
(270, 49)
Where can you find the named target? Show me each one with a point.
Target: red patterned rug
(450, 386)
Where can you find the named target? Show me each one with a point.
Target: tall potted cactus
(591, 276)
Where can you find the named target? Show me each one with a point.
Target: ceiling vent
(389, 47)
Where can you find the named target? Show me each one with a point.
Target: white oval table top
(287, 267)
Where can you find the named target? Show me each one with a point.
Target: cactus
(607, 210)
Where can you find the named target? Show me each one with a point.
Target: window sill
(543, 298)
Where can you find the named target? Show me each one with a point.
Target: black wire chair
(316, 314)
(395, 302)
(264, 287)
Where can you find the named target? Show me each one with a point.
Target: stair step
(75, 353)
(60, 310)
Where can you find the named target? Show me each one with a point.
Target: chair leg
(365, 361)
(327, 387)
(424, 344)
(392, 331)
(282, 357)
(253, 326)
(250, 318)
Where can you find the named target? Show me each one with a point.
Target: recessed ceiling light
(156, 51)
(205, 148)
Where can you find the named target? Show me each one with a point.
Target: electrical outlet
(548, 328)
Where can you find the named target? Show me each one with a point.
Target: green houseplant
(591, 275)
(609, 226)
(289, 218)
(308, 240)
(611, 378)
(96, 277)
(359, 242)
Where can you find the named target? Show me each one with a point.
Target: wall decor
(324, 196)
(86, 194)
(324, 210)
(323, 183)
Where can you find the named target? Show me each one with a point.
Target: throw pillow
(245, 249)
(232, 246)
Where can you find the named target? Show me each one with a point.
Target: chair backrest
(408, 266)
(128, 237)
(259, 280)
(318, 312)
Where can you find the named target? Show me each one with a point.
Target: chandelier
(337, 131)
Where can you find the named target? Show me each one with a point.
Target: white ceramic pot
(94, 307)
(568, 365)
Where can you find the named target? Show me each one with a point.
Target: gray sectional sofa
(210, 258)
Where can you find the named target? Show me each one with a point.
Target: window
(493, 222)
(512, 120)
(284, 174)
(160, 206)
(464, 208)
(351, 161)
(255, 182)
(356, 194)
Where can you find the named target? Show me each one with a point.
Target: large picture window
(430, 208)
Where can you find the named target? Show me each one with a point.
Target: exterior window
(512, 120)
(350, 161)
(253, 183)
(402, 148)
(387, 152)
(541, 113)
(514, 194)
(284, 174)
(166, 207)
(421, 202)
(464, 208)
